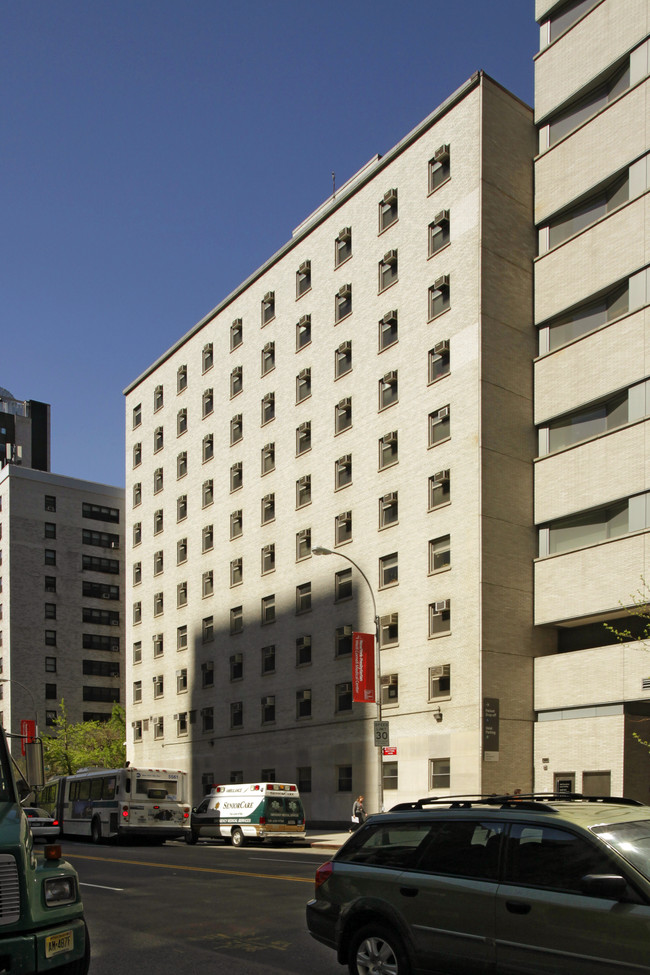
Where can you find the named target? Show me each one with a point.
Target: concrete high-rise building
(24, 432)
(368, 390)
(592, 392)
(61, 587)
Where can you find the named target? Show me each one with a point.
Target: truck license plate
(56, 943)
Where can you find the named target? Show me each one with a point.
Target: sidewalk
(326, 840)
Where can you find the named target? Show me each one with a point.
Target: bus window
(109, 788)
(84, 789)
(96, 788)
(163, 788)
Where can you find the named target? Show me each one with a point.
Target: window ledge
(436, 188)
(438, 442)
(439, 315)
(383, 230)
(440, 250)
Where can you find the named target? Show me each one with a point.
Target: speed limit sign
(381, 733)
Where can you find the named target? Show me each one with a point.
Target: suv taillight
(323, 873)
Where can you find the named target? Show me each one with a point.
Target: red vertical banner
(28, 733)
(363, 668)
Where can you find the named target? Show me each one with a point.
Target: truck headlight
(60, 890)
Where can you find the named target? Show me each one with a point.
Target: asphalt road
(206, 908)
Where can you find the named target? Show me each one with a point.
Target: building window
(439, 168)
(268, 559)
(439, 296)
(343, 527)
(137, 573)
(388, 330)
(181, 507)
(440, 618)
(343, 641)
(303, 385)
(181, 464)
(343, 303)
(137, 415)
(389, 775)
(388, 570)
(268, 408)
(303, 491)
(50, 583)
(439, 774)
(158, 645)
(303, 598)
(207, 628)
(389, 631)
(303, 544)
(268, 307)
(586, 317)
(236, 667)
(181, 637)
(268, 609)
(158, 522)
(208, 447)
(181, 681)
(236, 714)
(388, 394)
(343, 246)
(207, 674)
(303, 438)
(207, 539)
(268, 709)
(236, 334)
(576, 218)
(342, 585)
(236, 381)
(137, 532)
(343, 472)
(388, 274)
(388, 510)
(236, 572)
(50, 638)
(49, 503)
(137, 454)
(236, 619)
(268, 458)
(303, 651)
(158, 439)
(159, 727)
(303, 279)
(181, 723)
(388, 210)
(343, 359)
(207, 360)
(158, 686)
(439, 682)
(207, 583)
(268, 660)
(591, 527)
(439, 361)
(236, 429)
(439, 232)
(268, 358)
(137, 652)
(585, 106)
(50, 719)
(181, 422)
(303, 332)
(236, 476)
(303, 778)
(303, 703)
(207, 724)
(343, 697)
(389, 690)
(388, 450)
(439, 489)
(439, 553)
(158, 562)
(181, 379)
(236, 523)
(343, 415)
(439, 426)
(49, 530)
(158, 480)
(268, 508)
(157, 398)
(158, 604)
(207, 493)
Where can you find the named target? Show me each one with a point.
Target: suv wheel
(376, 950)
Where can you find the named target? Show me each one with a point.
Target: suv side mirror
(611, 886)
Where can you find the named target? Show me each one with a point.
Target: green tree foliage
(638, 629)
(87, 743)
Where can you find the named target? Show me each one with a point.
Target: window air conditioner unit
(347, 631)
(390, 257)
(133, 724)
(390, 196)
(345, 233)
(441, 282)
(268, 347)
(304, 267)
(441, 476)
(267, 499)
(346, 516)
(442, 217)
(390, 377)
(390, 316)
(390, 498)
(304, 427)
(269, 296)
(443, 413)
(441, 347)
(115, 622)
(179, 673)
(177, 717)
(304, 374)
(267, 702)
(304, 320)
(50, 507)
(345, 291)
(237, 322)
(345, 347)
(269, 448)
(106, 595)
(390, 437)
(345, 403)
(441, 154)
(441, 606)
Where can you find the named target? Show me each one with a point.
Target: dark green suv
(538, 885)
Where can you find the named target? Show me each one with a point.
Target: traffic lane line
(102, 887)
(172, 866)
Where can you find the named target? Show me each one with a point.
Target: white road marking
(101, 886)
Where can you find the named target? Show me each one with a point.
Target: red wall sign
(363, 668)
(28, 732)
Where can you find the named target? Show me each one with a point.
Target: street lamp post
(321, 550)
(11, 680)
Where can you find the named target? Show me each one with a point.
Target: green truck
(42, 927)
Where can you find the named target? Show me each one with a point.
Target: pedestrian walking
(359, 814)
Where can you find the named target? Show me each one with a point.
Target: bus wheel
(237, 837)
(191, 837)
(96, 830)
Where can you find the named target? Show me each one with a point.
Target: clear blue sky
(155, 152)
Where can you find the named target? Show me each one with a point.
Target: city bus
(141, 803)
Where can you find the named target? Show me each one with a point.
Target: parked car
(544, 884)
(42, 825)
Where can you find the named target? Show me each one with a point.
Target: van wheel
(376, 950)
(96, 830)
(237, 837)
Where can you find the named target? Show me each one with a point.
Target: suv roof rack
(531, 800)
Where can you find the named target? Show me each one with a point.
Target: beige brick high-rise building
(592, 392)
(369, 390)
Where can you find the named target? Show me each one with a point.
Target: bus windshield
(157, 788)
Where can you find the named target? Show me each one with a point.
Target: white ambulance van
(270, 811)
